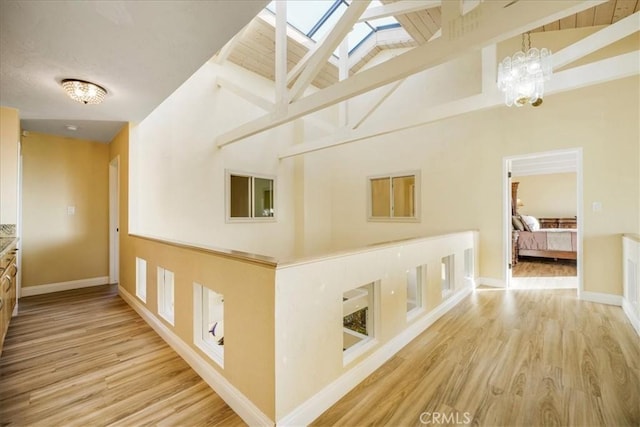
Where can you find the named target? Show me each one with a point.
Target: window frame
(166, 294)
(416, 197)
(252, 177)
(214, 352)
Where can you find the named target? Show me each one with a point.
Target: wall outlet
(596, 206)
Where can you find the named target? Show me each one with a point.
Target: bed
(532, 241)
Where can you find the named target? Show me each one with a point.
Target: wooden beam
(496, 24)
(609, 69)
(377, 102)
(246, 94)
(398, 8)
(282, 96)
(266, 104)
(343, 74)
(325, 49)
(606, 36)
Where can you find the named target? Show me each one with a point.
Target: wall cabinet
(8, 284)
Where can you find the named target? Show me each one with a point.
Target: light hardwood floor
(507, 358)
(530, 358)
(85, 358)
(544, 267)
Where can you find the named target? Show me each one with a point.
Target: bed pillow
(531, 222)
(517, 223)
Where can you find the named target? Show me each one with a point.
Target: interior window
(393, 197)
(250, 196)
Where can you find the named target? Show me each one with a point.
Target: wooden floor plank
(85, 358)
(507, 358)
(518, 357)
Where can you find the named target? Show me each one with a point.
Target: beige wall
(461, 162)
(248, 290)
(9, 139)
(57, 173)
(548, 196)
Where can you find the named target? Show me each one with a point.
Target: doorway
(114, 220)
(543, 220)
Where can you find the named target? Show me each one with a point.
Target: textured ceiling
(140, 51)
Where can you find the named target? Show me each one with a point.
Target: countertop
(6, 243)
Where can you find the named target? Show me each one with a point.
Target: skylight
(315, 18)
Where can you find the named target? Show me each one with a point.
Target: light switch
(596, 206)
(71, 210)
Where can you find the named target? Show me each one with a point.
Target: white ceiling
(140, 51)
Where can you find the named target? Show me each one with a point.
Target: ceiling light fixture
(83, 91)
(522, 76)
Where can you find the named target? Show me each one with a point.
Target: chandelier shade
(521, 77)
(83, 91)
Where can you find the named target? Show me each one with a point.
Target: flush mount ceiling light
(83, 91)
(522, 76)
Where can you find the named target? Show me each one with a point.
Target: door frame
(114, 220)
(506, 209)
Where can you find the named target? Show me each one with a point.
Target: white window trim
(141, 279)
(419, 309)
(215, 353)
(351, 354)
(227, 197)
(163, 310)
(417, 197)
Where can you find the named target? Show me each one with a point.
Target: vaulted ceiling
(255, 49)
(142, 51)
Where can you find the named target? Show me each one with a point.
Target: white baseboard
(311, 409)
(63, 286)
(490, 281)
(633, 317)
(601, 298)
(250, 413)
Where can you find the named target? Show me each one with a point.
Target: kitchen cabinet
(8, 284)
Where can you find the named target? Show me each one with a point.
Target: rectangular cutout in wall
(358, 317)
(447, 269)
(166, 295)
(141, 279)
(208, 322)
(468, 263)
(415, 280)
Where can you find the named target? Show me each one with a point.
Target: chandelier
(522, 76)
(83, 91)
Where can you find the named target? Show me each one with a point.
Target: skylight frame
(332, 9)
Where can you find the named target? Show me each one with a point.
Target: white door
(114, 220)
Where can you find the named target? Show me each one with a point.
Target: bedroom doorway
(542, 220)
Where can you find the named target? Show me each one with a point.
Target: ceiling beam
(609, 69)
(325, 48)
(495, 24)
(595, 73)
(282, 95)
(602, 38)
(398, 8)
(380, 97)
(245, 94)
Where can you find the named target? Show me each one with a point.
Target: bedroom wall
(548, 196)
